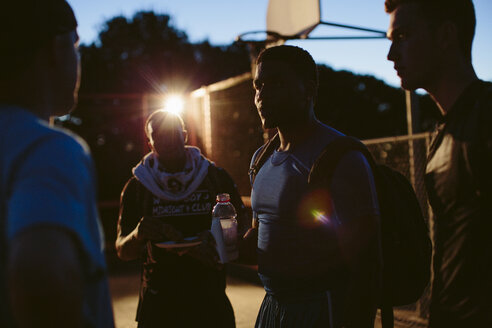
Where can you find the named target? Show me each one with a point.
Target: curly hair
(297, 58)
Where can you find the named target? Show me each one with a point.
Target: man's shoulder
(324, 136)
(329, 132)
(316, 145)
(23, 129)
(24, 137)
(134, 187)
(64, 140)
(217, 172)
(343, 156)
(60, 141)
(309, 150)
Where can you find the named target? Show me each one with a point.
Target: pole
(412, 127)
(418, 153)
(145, 114)
(417, 149)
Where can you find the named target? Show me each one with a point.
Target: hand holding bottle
(224, 228)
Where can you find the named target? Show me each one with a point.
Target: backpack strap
(263, 154)
(324, 167)
(321, 174)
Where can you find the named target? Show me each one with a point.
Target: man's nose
(391, 56)
(260, 94)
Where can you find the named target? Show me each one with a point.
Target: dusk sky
(220, 21)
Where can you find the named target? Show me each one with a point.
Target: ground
(245, 297)
(244, 293)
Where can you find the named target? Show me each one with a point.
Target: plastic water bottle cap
(223, 198)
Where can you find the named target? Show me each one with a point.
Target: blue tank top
(296, 239)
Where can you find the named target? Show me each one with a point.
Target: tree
(148, 54)
(366, 107)
(143, 54)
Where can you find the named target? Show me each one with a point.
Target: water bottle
(224, 228)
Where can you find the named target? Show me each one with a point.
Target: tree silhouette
(148, 54)
(365, 107)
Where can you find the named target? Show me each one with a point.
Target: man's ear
(447, 36)
(48, 53)
(311, 89)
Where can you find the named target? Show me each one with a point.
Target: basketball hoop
(269, 38)
(295, 20)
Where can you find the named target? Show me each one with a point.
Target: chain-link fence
(407, 154)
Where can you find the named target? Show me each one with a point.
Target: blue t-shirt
(47, 178)
(297, 244)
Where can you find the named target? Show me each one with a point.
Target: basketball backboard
(296, 19)
(293, 17)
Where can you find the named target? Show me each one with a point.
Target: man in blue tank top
(318, 250)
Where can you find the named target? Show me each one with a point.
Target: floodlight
(174, 104)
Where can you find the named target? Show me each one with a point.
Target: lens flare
(174, 104)
(320, 216)
(315, 209)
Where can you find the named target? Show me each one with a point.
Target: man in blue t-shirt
(52, 267)
(318, 252)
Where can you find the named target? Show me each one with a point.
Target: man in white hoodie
(166, 203)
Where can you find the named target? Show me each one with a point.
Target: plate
(187, 242)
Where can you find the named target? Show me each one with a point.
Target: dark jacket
(459, 186)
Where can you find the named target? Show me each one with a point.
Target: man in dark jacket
(165, 215)
(431, 49)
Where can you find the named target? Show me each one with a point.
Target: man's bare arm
(45, 279)
(129, 247)
(353, 189)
